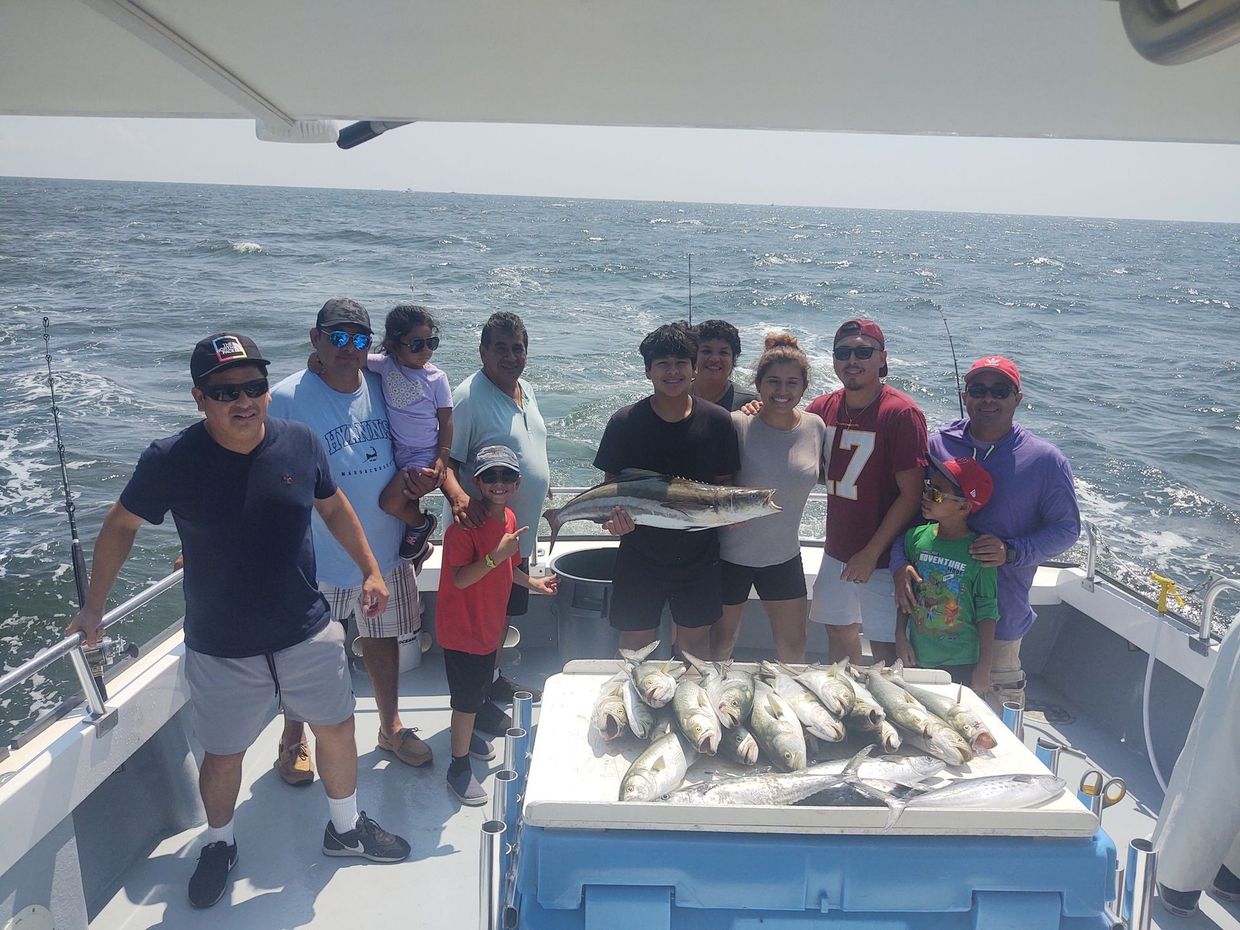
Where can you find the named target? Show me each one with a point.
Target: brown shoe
(294, 765)
(408, 748)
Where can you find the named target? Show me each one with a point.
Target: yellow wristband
(490, 561)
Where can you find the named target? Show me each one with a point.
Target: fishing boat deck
(282, 880)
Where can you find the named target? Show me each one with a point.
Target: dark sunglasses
(339, 338)
(416, 345)
(496, 475)
(841, 353)
(227, 393)
(997, 391)
(934, 494)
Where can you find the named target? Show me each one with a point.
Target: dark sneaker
(503, 690)
(1179, 903)
(492, 721)
(480, 747)
(416, 537)
(466, 788)
(210, 878)
(1226, 884)
(367, 840)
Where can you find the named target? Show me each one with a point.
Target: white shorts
(842, 603)
(401, 617)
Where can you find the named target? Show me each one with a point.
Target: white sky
(1113, 179)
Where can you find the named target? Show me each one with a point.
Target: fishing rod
(80, 577)
(690, 288)
(955, 364)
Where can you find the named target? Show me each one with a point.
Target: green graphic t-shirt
(955, 594)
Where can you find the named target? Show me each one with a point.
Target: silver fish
(658, 770)
(655, 680)
(730, 690)
(991, 792)
(966, 722)
(942, 742)
(805, 704)
(739, 745)
(900, 707)
(866, 712)
(652, 499)
(776, 728)
(608, 716)
(641, 716)
(902, 770)
(831, 684)
(696, 717)
(768, 788)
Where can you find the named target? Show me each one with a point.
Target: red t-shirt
(865, 452)
(474, 619)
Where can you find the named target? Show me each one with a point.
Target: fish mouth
(611, 728)
(709, 745)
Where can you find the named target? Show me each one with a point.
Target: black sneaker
(210, 878)
(1179, 903)
(504, 689)
(492, 721)
(480, 747)
(367, 840)
(465, 786)
(416, 537)
(1226, 884)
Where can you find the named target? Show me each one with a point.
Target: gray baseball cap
(343, 310)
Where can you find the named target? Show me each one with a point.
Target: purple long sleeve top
(1033, 510)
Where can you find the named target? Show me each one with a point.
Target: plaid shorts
(402, 617)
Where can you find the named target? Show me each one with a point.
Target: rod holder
(1139, 876)
(1047, 751)
(1014, 718)
(523, 711)
(491, 876)
(516, 751)
(508, 783)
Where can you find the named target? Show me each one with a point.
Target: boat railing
(72, 646)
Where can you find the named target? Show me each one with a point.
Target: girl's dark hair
(402, 319)
(780, 347)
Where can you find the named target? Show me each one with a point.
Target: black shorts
(469, 679)
(640, 588)
(519, 596)
(782, 582)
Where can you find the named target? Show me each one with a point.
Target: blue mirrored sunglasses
(339, 338)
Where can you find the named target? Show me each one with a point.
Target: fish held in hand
(652, 499)
(658, 770)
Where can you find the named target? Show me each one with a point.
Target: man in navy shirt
(241, 489)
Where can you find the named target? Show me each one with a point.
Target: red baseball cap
(867, 328)
(973, 480)
(1005, 367)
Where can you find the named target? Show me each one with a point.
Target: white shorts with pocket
(233, 699)
(842, 603)
(401, 617)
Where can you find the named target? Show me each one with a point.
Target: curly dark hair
(720, 329)
(676, 339)
(507, 323)
(401, 321)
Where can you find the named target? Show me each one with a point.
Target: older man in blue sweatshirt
(1032, 516)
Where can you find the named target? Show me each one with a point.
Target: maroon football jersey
(862, 455)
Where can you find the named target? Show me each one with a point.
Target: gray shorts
(233, 699)
(401, 617)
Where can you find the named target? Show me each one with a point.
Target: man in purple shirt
(1031, 517)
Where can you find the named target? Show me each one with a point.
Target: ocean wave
(658, 221)
(235, 247)
(1041, 260)
(785, 259)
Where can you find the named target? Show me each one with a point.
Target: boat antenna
(79, 560)
(690, 288)
(955, 364)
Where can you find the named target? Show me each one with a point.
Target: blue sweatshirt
(1033, 510)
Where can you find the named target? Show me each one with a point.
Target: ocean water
(1125, 333)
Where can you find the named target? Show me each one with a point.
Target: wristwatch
(490, 561)
(1009, 553)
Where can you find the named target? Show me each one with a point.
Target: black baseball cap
(343, 310)
(224, 350)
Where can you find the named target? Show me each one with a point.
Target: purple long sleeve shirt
(1033, 510)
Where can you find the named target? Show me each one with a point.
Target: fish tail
(552, 516)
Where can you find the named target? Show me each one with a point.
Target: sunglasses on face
(842, 353)
(932, 493)
(496, 475)
(997, 391)
(227, 393)
(339, 338)
(416, 345)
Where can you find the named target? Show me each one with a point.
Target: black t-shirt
(699, 447)
(244, 522)
(735, 398)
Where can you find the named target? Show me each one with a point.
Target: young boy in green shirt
(953, 625)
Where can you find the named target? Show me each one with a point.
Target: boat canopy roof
(1031, 69)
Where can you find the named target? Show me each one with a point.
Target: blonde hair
(780, 347)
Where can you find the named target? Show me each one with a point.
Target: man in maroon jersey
(874, 459)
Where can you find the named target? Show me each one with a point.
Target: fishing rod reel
(107, 652)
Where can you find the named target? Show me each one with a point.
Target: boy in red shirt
(479, 568)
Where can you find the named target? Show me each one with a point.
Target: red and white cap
(974, 481)
(1005, 367)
